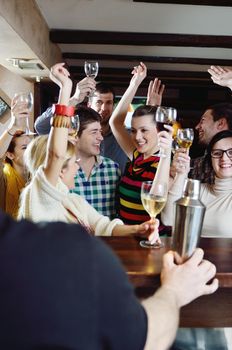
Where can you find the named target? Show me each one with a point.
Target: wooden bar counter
(143, 267)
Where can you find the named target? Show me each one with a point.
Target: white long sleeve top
(218, 201)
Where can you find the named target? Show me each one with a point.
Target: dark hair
(86, 116)
(219, 136)
(144, 110)
(12, 145)
(222, 110)
(104, 88)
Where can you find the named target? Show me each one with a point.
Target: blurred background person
(13, 175)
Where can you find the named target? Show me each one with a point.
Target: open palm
(221, 76)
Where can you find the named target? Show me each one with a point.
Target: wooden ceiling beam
(152, 72)
(144, 39)
(190, 2)
(153, 59)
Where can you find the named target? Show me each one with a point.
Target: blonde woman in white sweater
(47, 197)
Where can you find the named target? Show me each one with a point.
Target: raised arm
(58, 136)
(221, 76)
(119, 114)
(155, 92)
(19, 110)
(180, 166)
(83, 88)
(165, 142)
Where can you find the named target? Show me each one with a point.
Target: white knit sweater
(40, 201)
(218, 201)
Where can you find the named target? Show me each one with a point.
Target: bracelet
(10, 133)
(63, 110)
(59, 121)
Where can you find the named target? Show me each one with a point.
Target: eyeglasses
(218, 153)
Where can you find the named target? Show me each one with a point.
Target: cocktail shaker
(188, 220)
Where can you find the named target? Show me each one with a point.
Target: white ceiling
(126, 16)
(139, 17)
(129, 16)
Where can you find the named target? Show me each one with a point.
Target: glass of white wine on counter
(153, 197)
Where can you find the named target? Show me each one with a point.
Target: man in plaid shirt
(215, 119)
(97, 177)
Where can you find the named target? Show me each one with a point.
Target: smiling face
(16, 155)
(223, 166)
(207, 127)
(103, 103)
(144, 134)
(69, 171)
(88, 144)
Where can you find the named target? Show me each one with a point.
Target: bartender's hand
(189, 280)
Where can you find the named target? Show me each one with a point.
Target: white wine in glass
(27, 99)
(185, 138)
(153, 197)
(75, 125)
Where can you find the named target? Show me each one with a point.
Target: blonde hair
(35, 154)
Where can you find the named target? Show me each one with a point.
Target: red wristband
(63, 110)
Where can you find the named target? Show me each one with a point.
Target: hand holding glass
(91, 70)
(26, 98)
(164, 115)
(154, 197)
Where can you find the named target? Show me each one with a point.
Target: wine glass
(27, 99)
(153, 197)
(75, 125)
(91, 70)
(185, 138)
(164, 115)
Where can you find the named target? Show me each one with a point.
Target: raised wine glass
(91, 70)
(185, 138)
(164, 115)
(75, 126)
(154, 197)
(27, 99)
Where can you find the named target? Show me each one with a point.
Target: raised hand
(221, 76)
(60, 75)
(139, 74)
(181, 162)
(83, 89)
(165, 138)
(19, 111)
(155, 92)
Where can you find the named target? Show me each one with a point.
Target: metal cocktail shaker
(188, 220)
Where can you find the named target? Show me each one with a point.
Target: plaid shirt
(201, 170)
(100, 188)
